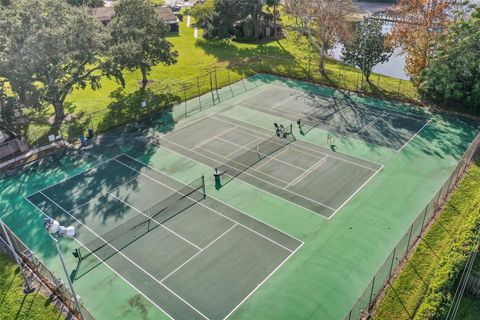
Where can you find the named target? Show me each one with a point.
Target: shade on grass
(14, 304)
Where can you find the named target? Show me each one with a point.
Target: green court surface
(292, 229)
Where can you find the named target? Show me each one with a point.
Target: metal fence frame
(382, 277)
(34, 265)
(197, 93)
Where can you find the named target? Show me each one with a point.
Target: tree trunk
(321, 66)
(144, 77)
(274, 20)
(59, 112)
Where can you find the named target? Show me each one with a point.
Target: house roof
(166, 15)
(104, 14)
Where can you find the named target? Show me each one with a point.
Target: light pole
(56, 231)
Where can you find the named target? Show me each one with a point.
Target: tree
(367, 47)
(48, 47)
(454, 72)
(203, 12)
(321, 22)
(426, 20)
(225, 14)
(87, 3)
(219, 23)
(138, 38)
(274, 4)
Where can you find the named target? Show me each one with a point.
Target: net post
(203, 187)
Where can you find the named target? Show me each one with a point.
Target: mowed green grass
(197, 57)
(469, 308)
(14, 304)
(407, 291)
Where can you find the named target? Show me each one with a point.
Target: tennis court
(393, 129)
(307, 175)
(190, 255)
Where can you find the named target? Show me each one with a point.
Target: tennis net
(111, 242)
(252, 156)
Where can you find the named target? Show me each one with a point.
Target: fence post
(424, 217)
(28, 286)
(198, 91)
(409, 239)
(241, 77)
(435, 206)
(229, 82)
(216, 86)
(371, 293)
(185, 98)
(391, 265)
(211, 88)
(356, 85)
(399, 85)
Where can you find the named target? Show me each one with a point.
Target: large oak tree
(138, 38)
(48, 47)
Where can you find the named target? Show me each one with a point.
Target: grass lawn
(469, 308)
(14, 304)
(197, 57)
(407, 291)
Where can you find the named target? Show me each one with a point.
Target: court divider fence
(35, 269)
(362, 308)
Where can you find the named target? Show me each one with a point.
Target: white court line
(214, 137)
(201, 250)
(99, 195)
(272, 158)
(246, 172)
(416, 134)
(304, 147)
(158, 223)
(306, 173)
(358, 190)
(108, 266)
(261, 283)
(274, 109)
(68, 178)
(265, 155)
(126, 257)
(226, 204)
(351, 100)
(246, 167)
(233, 152)
(207, 207)
(371, 123)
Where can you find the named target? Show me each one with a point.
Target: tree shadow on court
(133, 139)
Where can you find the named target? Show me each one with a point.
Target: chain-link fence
(185, 96)
(31, 263)
(362, 307)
